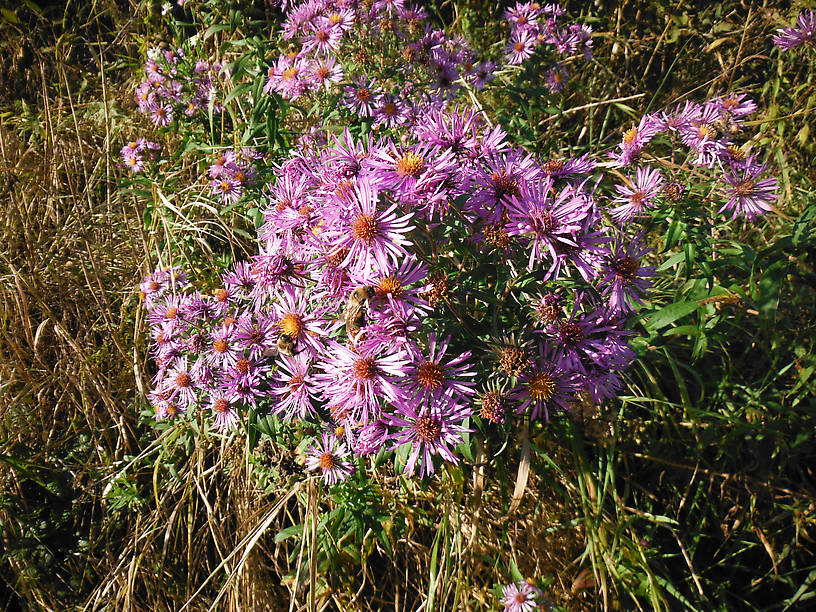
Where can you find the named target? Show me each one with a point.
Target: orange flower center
(291, 325)
(410, 164)
(365, 369)
(183, 379)
(430, 375)
(428, 428)
(364, 228)
(542, 387)
(389, 285)
(744, 188)
(630, 135)
(327, 461)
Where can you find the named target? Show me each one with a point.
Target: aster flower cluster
(710, 132)
(803, 34)
(231, 172)
(176, 84)
(136, 152)
(212, 353)
(344, 316)
(534, 27)
(399, 35)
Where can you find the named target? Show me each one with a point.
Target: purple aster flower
(499, 180)
(550, 383)
(256, 335)
(269, 270)
(750, 195)
(803, 34)
(295, 387)
(246, 388)
(329, 457)
(681, 118)
(295, 320)
(166, 309)
(161, 114)
(430, 430)
(372, 236)
(326, 71)
(555, 79)
(638, 197)
(228, 189)
(223, 350)
(395, 282)
(521, 47)
(239, 279)
(133, 162)
(224, 159)
(543, 220)
(434, 376)
(521, 596)
(703, 137)
(736, 106)
(522, 15)
(390, 111)
(602, 385)
(181, 384)
(370, 439)
(623, 279)
(224, 414)
(169, 410)
(360, 96)
(354, 382)
(557, 168)
(635, 138)
(483, 73)
(324, 37)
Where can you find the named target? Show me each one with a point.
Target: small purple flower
(296, 387)
(181, 384)
(361, 95)
(434, 376)
(635, 138)
(550, 383)
(521, 47)
(803, 34)
(750, 195)
(225, 417)
(372, 236)
(555, 79)
(370, 439)
(329, 457)
(521, 596)
(430, 430)
(228, 189)
(623, 279)
(161, 114)
(544, 221)
(635, 199)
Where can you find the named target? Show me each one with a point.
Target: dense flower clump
(422, 279)
(535, 27)
(343, 316)
(176, 84)
(711, 134)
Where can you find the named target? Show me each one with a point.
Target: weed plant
(672, 473)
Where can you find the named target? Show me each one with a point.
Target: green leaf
(669, 314)
(288, 532)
